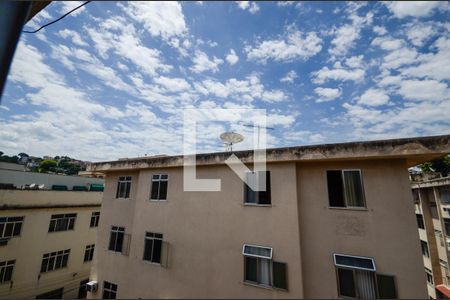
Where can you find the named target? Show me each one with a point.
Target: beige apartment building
(432, 204)
(335, 221)
(47, 234)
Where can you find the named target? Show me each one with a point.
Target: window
(424, 247)
(55, 294)
(109, 290)
(447, 226)
(345, 188)
(153, 247)
(55, 260)
(416, 197)
(420, 221)
(159, 187)
(62, 222)
(259, 268)
(444, 192)
(95, 217)
(429, 275)
(89, 252)
(82, 291)
(123, 187)
(259, 180)
(6, 270)
(10, 227)
(357, 278)
(116, 239)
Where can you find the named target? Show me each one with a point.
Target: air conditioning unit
(91, 286)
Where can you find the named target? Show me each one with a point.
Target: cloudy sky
(112, 79)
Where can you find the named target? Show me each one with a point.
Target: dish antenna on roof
(230, 138)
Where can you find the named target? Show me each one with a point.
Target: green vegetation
(441, 165)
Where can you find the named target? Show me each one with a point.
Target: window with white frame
(123, 187)
(345, 188)
(10, 226)
(55, 260)
(159, 187)
(95, 218)
(424, 246)
(260, 269)
(357, 278)
(62, 222)
(153, 247)
(89, 252)
(109, 290)
(262, 195)
(6, 270)
(116, 238)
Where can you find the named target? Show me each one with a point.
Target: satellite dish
(32, 186)
(41, 186)
(230, 138)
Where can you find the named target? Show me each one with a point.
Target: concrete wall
(35, 240)
(206, 232)
(19, 178)
(385, 231)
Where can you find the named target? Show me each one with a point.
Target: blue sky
(112, 79)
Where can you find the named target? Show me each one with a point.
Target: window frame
(125, 182)
(68, 218)
(117, 230)
(153, 247)
(354, 267)
(53, 257)
(257, 197)
(96, 217)
(428, 272)
(363, 192)
(421, 224)
(15, 223)
(112, 289)
(423, 246)
(89, 251)
(3, 267)
(159, 180)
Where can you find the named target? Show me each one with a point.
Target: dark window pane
(148, 249)
(92, 224)
(346, 283)
(51, 264)
(51, 228)
(155, 190)
(82, 291)
(163, 190)
(2, 226)
(44, 265)
(358, 262)
(354, 194)
(420, 222)
(112, 241)
(59, 261)
(127, 192)
(119, 241)
(280, 275)
(65, 260)
(9, 229)
(17, 228)
(55, 294)
(71, 223)
(335, 189)
(386, 287)
(264, 196)
(8, 273)
(2, 272)
(157, 251)
(251, 272)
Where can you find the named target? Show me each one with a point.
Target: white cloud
(346, 35)
(402, 9)
(285, 3)
(327, 94)
(355, 61)
(73, 35)
(296, 45)
(289, 77)
(232, 58)
(374, 97)
(338, 73)
(428, 90)
(173, 84)
(67, 6)
(388, 43)
(273, 96)
(381, 30)
(202, 63)
(419, 33)
(160, 18)
(303, 136)
(250, 5)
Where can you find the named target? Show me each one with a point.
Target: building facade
(47, 237)
(432, 205)
(334, 221)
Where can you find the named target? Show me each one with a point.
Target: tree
(47, 165)
(441, 165)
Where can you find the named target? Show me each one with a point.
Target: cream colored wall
(206, 232)
(386, 231)
(35, 240)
